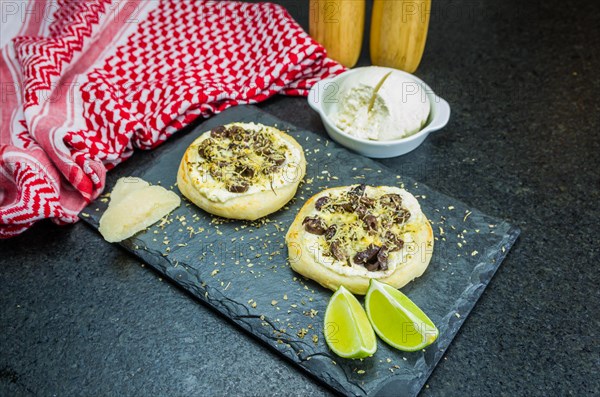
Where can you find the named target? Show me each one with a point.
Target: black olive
(367, 201)
(369, 255)
(248, 173)
(234, 147)
(270, 169)
(336, 251)
(344, 207)
(245, 171)
(321, 202)
(358, 190)
(370, 222)
(237, 134)
(361, 211)
(314, 225)
(216, 172)
(373, 258)
(382, 258)
(277, 158)
(391, 200)
(204, 148)
(219, 132)
(238, 187)
(402, 215)
(330, 232)
(395, 242)
(260, 140)
(263, 150)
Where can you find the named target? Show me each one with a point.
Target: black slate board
(240, 268)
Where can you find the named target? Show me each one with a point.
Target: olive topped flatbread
(349, 235)
(241, 170)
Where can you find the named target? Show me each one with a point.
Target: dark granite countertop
(81, 316)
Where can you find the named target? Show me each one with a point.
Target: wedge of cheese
(135, 205)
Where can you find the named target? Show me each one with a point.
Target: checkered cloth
(86, 82)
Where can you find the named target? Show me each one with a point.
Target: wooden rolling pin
(338, 25)
(398, 33)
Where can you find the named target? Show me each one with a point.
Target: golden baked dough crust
(321, 268)
(261, 198)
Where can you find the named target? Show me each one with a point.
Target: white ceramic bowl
(323, 98)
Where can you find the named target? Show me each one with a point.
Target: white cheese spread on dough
(319, 247)
(215, 190)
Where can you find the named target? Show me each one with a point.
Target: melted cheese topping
(215, 189)
(357, 238)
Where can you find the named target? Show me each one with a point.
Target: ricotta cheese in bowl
(400, 106)
(375, 117)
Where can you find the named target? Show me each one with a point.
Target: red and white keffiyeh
(84, 82)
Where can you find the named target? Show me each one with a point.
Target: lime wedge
(397, 320)
(348, 332)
